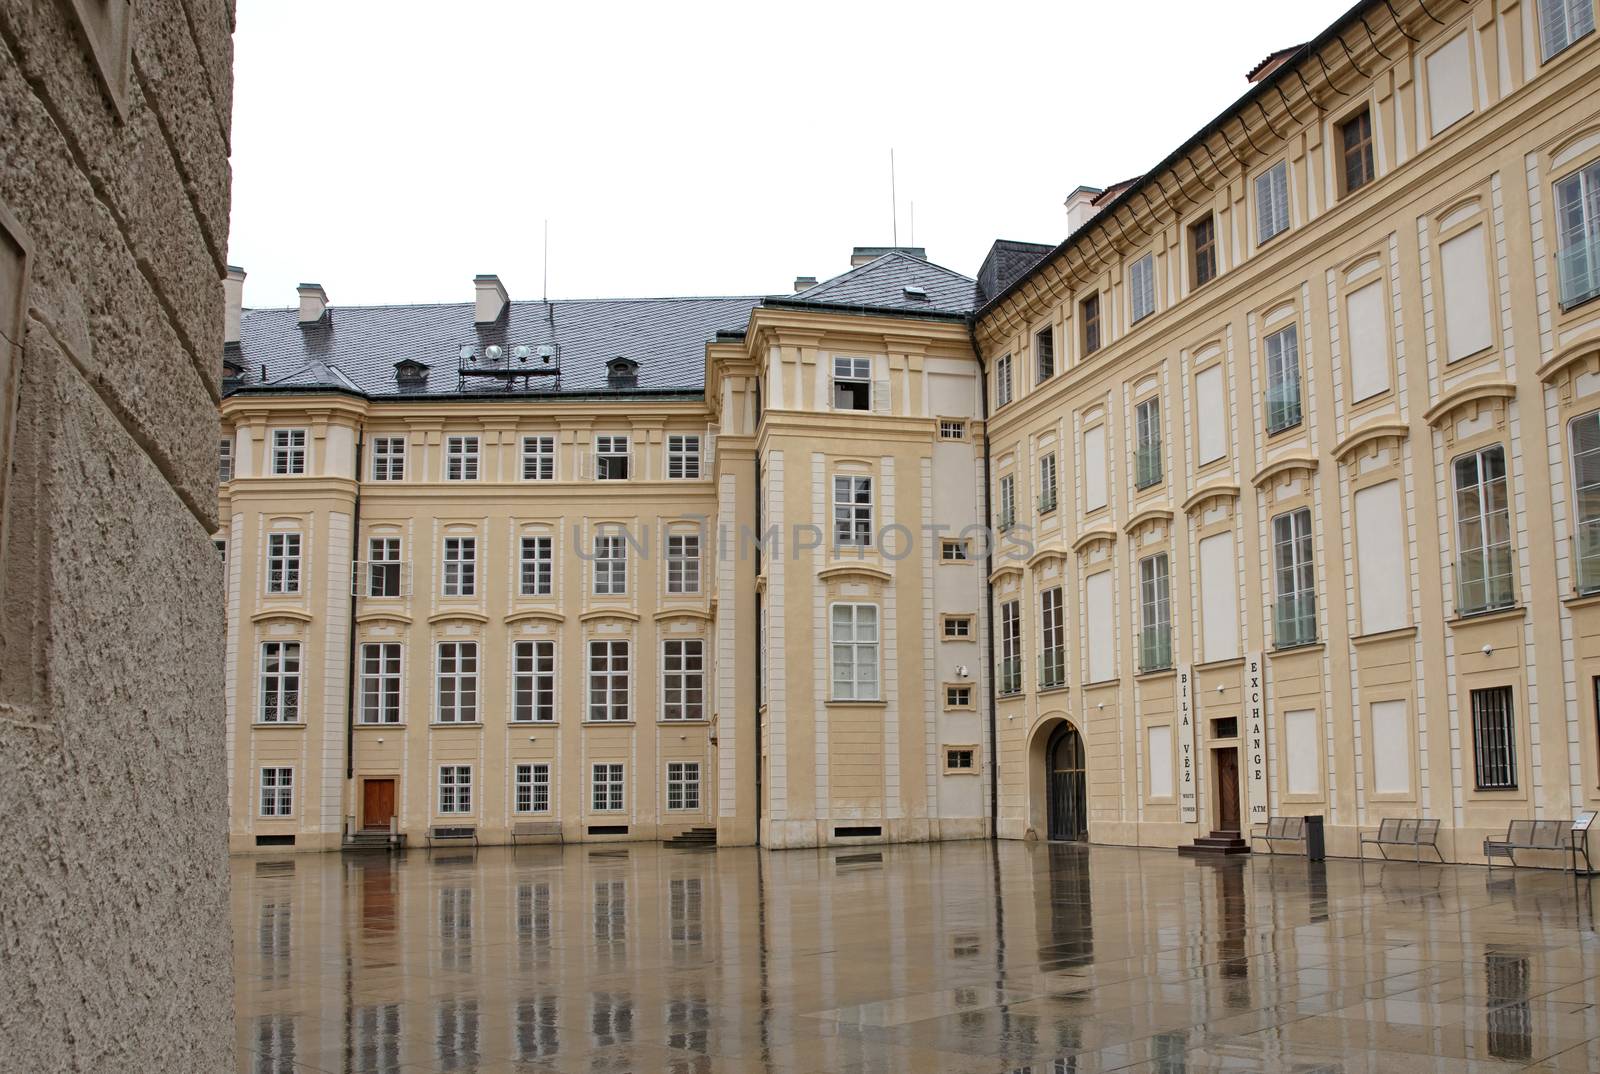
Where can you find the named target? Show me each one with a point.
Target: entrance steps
(694, 837)
(1217, 843)
(368, 840)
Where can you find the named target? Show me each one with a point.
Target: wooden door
(377, 803)
(1227, 764)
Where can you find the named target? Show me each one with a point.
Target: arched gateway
(1065, 794)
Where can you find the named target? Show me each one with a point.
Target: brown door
(377, 803)
(1227, 763)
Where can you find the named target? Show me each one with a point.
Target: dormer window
(410, 373)
(622, 372)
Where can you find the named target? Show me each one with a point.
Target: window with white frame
(461, 458)
(1002, 380)
(455, 788)
(277, 792)
(854, 636)
(533, 682)
(607, 786)
(1272, 201)
(460, 566)
(1147, 465)
(288, 452)
(683, 679)
(611, 458)
(539, 458)
(958, 697)
(1155, 614)
(610, 564)
(1008, 502)
(683, 785)
(380, 682)
(283, 563)
(388, 458)
(1283, 379)
(1010, 677)
(1294, 573)
(683, 563)
(957, 627)
(959, 760)
(384, 567)
(1578, 234)
(538, 566)
(952, 429)
(1494, 739)
(852, 510)
(953, 550)
(852, 384)
(533, 788)
(225, 460)
(458, 682)
(609, 674)
(1561, 22)
(683, 457)
(280, 682)
(1586, 493)
(1047, 483)
(1485, 565)
(1053, 641)
(1142, 288)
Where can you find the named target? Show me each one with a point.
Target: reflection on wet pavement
(1005, 958)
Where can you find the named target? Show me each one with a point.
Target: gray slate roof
(881, 284)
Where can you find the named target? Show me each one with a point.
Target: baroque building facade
(1270, 490)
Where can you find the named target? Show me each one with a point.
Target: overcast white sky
(390, 150)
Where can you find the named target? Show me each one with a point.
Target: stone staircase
(694, 837)
(1217, 843)
(373, 840)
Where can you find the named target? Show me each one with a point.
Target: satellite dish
(466, 354)
(493, 352)
(521, 352)
(544, 351)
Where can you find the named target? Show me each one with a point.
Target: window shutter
(708, 456)
(586, 464)
(880, 397)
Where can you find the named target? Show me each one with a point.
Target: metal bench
(1402, 832)
(450, 833)
(1280, 829)
(1557, 835)
(535, 829)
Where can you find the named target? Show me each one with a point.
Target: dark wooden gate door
(1227, 762)
(1068, 797)
(377, 803)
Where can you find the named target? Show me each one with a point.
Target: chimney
(804, 283)
(232, 303)
(1080, 206)
(313, 304)
(491, 299)
(1273, 61)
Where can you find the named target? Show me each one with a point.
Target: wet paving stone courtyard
(977, 957)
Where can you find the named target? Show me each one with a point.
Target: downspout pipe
(988, 588)
(351, 663)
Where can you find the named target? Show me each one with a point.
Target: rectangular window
(1449, 70)
(1100, 616)
(1044, 350)
(952, 550)
(280, 682)
(533, 682)
(852, 510)
(383, 567)
(1203, 250)
(958, 697)
(1381, 562)
(683, 563)
(1561, 22)
(958, 626)
(538, 458)
(1010, 647)
(380, 682)
(1219, 597)
(283, 563)
(388, 458)
(1160, 754)
(1355, 137)
(455, 788)
(1283, 380)
(610, 564)
(533, 788)
(611, 458)
(607, 788)
(1484, 563)
(609, 675)
(1047, 483)
(683, 785)
(1368, 342)
(683, 679)
(1295, 579)
(1053, 653)
(1468, 316)
(958, 760)
(1147, 448)
(952, 430)
(1142, 288)
(854, 634)
(683, 458)
(461, 458)
(1155, 614)
(852, 384)
(1094, 468)
(1089, 311)
(1578, 235)
(1494, 739)
(1586, 490)
(1008, 502)
(277, 792)
(1272, 202)
(224, 460)
(458, 682)
(460, 573)
(1002, 381)
(288, 452)
(538, 566)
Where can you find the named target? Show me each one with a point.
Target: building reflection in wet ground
(1008, 958)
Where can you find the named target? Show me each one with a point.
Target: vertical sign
(1188, 801)
(1255, 735)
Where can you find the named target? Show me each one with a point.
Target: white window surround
(683, 457)
(537, 574)
(388, 458)
(853, 634)
(610, 564)
(1561, 23)
(683, 679)
(539, 458)
(455, 789)
(683, 786)
(283, 563)
(532, 788)
(610, 680)
(1002, 381)
(461, 458)
(1586, 501)
(1009, 679)
(459, 577)
(613, 459)
(1272, 202)
(1485, 554)
(457, 682)
(852, 383)
(277, 791)
(1577, 221)
(1283, 403)
(288, 452)
(607, 782)
(1141, 289)
(533, 682)
(280, 682)
(852, 510)
(381, 676)
(683, 563)
(1294, 579)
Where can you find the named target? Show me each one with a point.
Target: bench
(1558, 835)
(1402, 832)
(535, 829)
(1280, 829)
(441, 833)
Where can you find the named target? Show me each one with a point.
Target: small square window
(954, 550)
(959, 760)
(958, 697)
(952, 430)
(957, 626)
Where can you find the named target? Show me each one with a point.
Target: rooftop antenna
(894, 205)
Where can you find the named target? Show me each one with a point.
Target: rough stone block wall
(115, 949)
